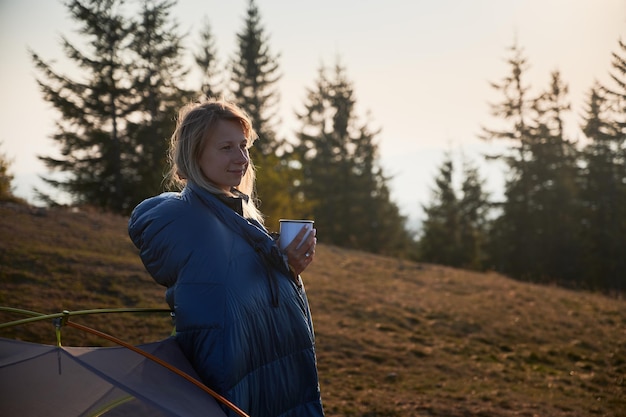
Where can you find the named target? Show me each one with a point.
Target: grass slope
(394, 338)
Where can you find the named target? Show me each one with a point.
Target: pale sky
(421, 69)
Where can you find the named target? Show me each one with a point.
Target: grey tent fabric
(43, 380)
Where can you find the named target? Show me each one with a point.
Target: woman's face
(224, 159)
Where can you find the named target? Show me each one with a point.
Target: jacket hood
(163, 229)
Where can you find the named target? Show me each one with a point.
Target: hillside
(394, 338)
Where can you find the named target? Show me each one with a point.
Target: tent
(153, 379)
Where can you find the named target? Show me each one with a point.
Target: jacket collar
(249, 229)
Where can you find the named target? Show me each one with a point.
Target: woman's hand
(299, 256)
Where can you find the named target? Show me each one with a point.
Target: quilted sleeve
(155, 229)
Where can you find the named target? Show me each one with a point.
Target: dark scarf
(235, 202)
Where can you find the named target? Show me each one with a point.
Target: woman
(242, 315)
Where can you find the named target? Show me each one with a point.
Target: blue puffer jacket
(242, 322)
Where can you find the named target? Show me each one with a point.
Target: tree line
(562, 218)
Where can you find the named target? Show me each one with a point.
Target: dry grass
(399, 338)
(394, 338)
(54, 260)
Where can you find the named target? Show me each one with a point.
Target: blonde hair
(194, 126)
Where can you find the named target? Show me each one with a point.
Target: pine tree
(554, 195)
(383, 229)
(604, 185)
(454, 232)
(440, 241)
(157, 75)
(115, 117)
(340, 172)
(474, 208)
(536, 237)
(90, 132)
(206, 59)
(254, 78)
(600, 194)
(511, 243)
